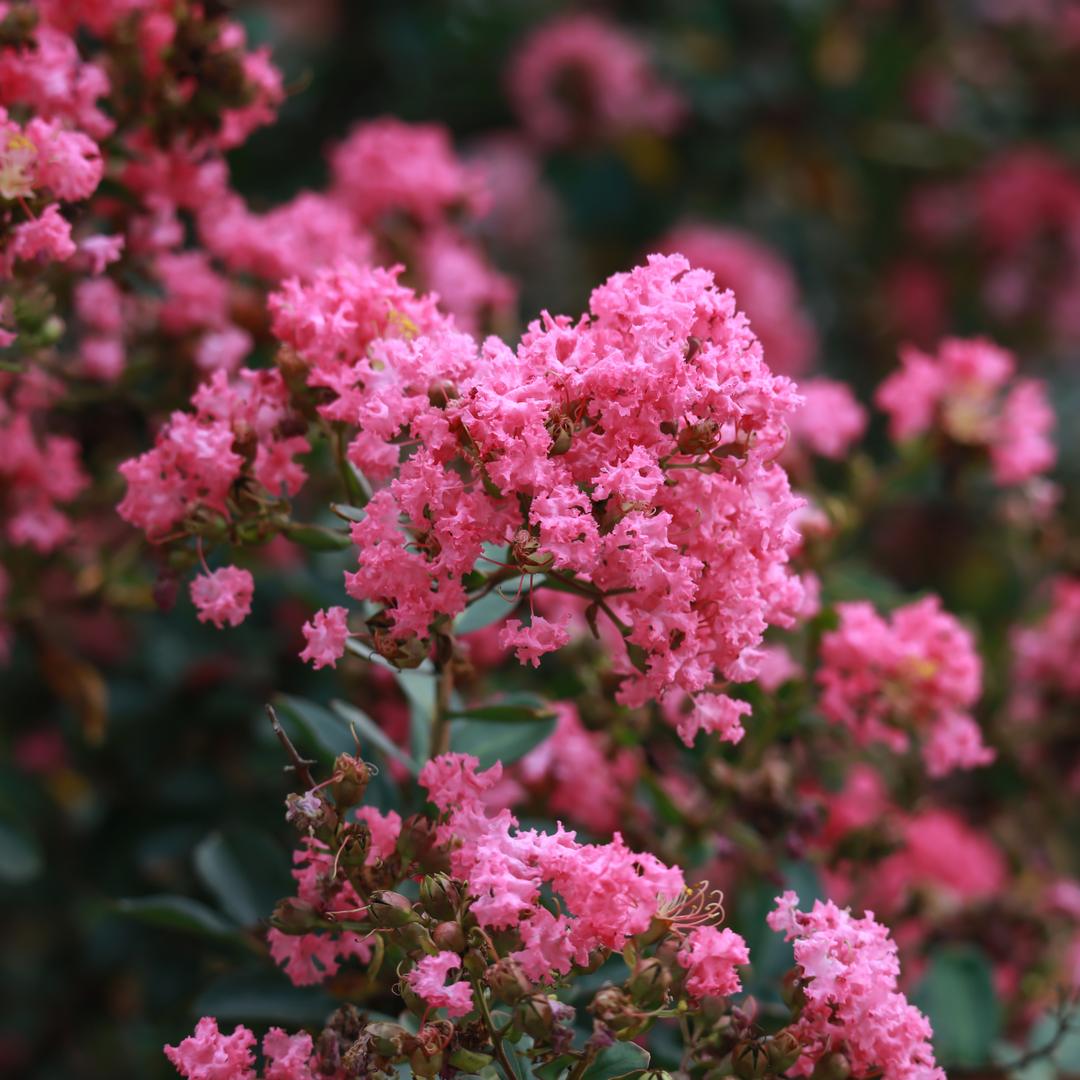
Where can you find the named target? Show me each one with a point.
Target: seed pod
(390, 909)
(440, 897)
(387, 1039)
(351, 777)
(508, 980)
(449, 937)
(413, 937)
(470, 1061)
(793, 993)
(699, 437)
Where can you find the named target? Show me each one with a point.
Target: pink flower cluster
(630, 455)
(1046, 662)
(849, 976)
(830, 421)
(311, 958)
(579, 78)
(609, 892)
(965, 391)
(764, 285)
(197, 460)
(578, 773)
(211, 1055)
(918, 672)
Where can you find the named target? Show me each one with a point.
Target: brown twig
(299, 765)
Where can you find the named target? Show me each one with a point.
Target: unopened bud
(424, 1063)
(749, 1060)
(508, 980)
(783, 1051)
(295, 916)
(470, 1061)
(614, 1008)
(415, 840)
(351, 777)
(832, 1066)
(792, 991)
(414, 936)
(449, 937)
(440, 897)
(649, 982)
(391, 909)
(535, 1016)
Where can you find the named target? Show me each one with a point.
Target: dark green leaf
(503, 714)
(20, 857)
(349, 513)
(181, 913)
(554, 1069)
(328, 730)
(622, 1059)
(367, 729)
(318, 537)
(957, 995)
(246, 872)
(493, 741)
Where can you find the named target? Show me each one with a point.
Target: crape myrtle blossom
(765, 289)
(918, 673)
(428, 977)
(211, 1055)
(630, 454)
(848, 973)
(579, 78)
(968, 392)
(831, 421)
(1046, 664)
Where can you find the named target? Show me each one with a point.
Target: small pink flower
(223, 596)
(428, 977)
(531, 642)
(711, 958)
(326, 636)
(714, 713)
(209, 1055)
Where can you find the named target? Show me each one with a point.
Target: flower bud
(611, 1006)
(535, 1016)
(440, 897)
(793, 993)
(415, 840)
(831, 1066)
(423, 1064)
(417, 1005)
(470, 1061)
(449, 937)
(783, 1050)
(391, 909)
(649, 982)
(295, 916)
(699, 437)
(508, 980)
(351, 777)
(387, 1039)
(414, 936)
(749, 1060)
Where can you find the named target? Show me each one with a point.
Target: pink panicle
(1047, 655)
(850, 973)
(968, 392)
(764, 285)
(919, 669)
(614, 89)
(831, 421)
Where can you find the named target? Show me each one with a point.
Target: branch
(299, 765)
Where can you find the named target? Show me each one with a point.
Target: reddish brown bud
(449, 937)
(391, 909)
(508, 980)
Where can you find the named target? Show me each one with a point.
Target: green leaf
(554, 1069)
(484, 612)
(20, 856)
(328, 730)
(419, 686)
(504, 714)
(245, 870)
(318, 537)
(369, 730)
(492, 741)
(622, 1059)
(181, 913)
(958, 998)
(349, 513)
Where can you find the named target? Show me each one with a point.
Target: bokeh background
(912, 162)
